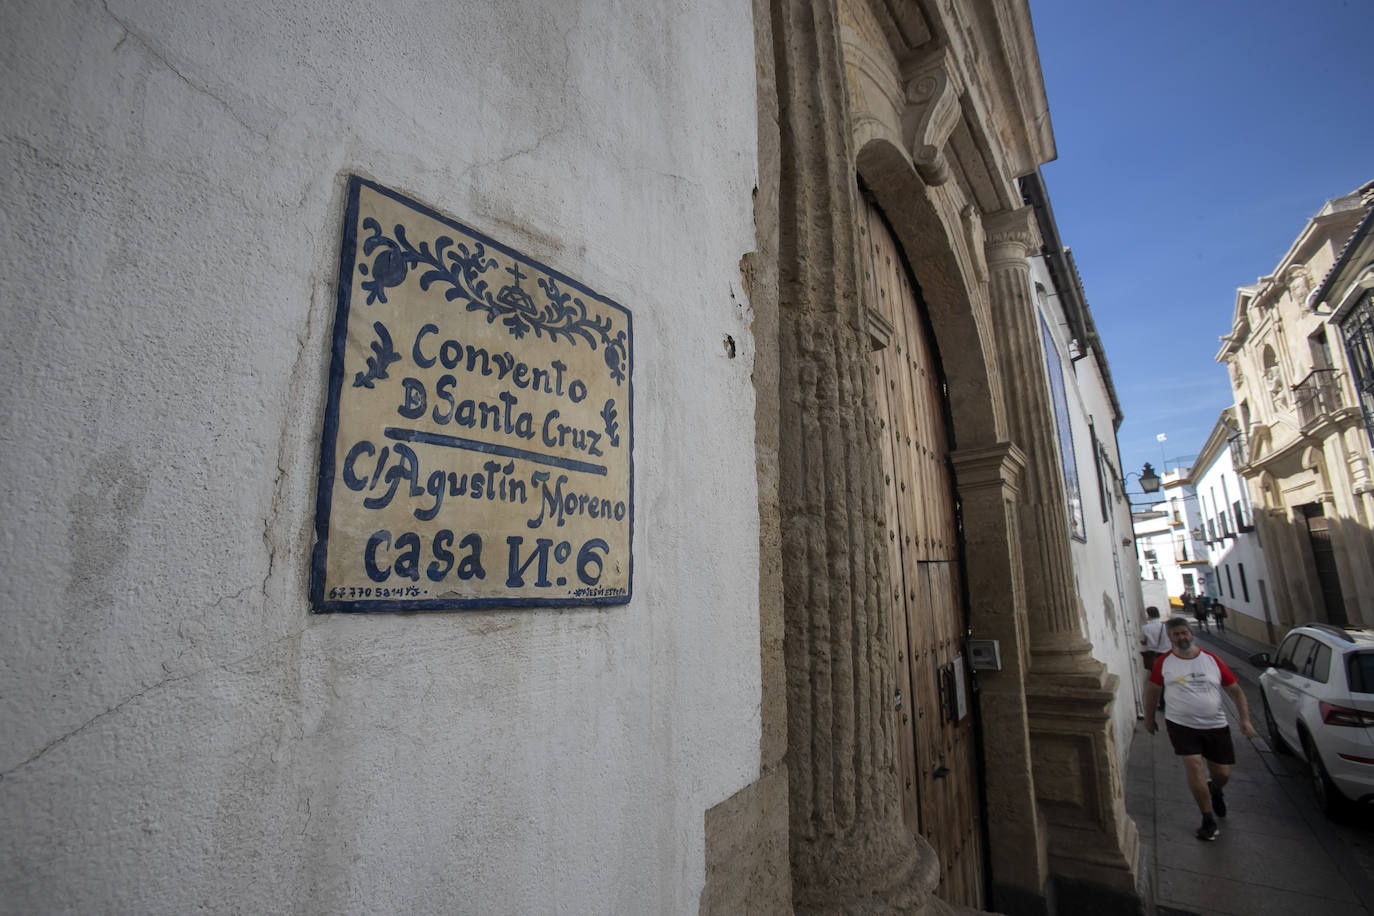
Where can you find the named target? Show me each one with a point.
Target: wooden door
(936, 750)
(1324, 557)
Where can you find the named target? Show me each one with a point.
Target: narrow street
(1277, 853)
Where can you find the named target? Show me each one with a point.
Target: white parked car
(1318, 694)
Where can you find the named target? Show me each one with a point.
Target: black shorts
(1213, 744)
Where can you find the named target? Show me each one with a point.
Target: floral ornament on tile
(383, 355)
(608, 415)
(562, 316)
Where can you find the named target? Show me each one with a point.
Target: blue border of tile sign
(328, 439)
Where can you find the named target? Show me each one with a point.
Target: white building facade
(1169, 540)
(1239, 577)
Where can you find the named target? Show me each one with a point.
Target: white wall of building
(1155, 594)
(1154, 547)
(1240, 579)
(1170, 541)
(181, 733)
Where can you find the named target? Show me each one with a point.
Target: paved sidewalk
(1274, 854)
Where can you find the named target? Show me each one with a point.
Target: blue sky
(1195, 140)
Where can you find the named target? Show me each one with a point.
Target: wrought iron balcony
(1239, 450)
(1317, 396)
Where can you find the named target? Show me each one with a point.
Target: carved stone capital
(997, 466)
(932, 112)
(1012, 236)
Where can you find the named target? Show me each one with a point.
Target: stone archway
(960, 325)
(1057, 803)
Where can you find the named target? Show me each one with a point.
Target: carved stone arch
(1270, 494)
(1314, 460)
(932, 252)
(871, 85)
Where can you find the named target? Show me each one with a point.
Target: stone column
(850, 850)
(1093, 845)
(1056, 620)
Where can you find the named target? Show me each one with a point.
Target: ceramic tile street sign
(477, 447)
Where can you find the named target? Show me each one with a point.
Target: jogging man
(1192, 679)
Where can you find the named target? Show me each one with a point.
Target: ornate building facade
(1303, 447)
(891, 203)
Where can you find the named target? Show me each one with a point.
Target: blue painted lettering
(413, 407)
(407, 468)
(515, 570)
(407, 564)
(555, 504)
(424, 362)
(442, 392)
(351, 480)
(479, 361)
(408, 547)
(374, 572)
(560, 435)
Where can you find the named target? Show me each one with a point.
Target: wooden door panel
(894, 422)
(934, 755)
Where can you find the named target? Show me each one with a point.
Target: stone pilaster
(850, 850)
(989, 481)
(1011, 237)
(1093, 845)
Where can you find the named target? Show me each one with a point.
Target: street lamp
(1149, 480)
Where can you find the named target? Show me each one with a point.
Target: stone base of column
(1065, 661)
(1093, 843)
(900, 876)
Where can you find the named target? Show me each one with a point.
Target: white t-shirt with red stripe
(1192, 688)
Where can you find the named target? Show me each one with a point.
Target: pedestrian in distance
(1219, 615)
(1200, 613)
(1154, 640)
(1191, 679)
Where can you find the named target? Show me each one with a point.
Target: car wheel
(1275, 739)
(1330, 801)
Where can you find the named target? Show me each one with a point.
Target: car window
(1302, 655)
(1359, 668)
(1321, 664)
(1284, 661)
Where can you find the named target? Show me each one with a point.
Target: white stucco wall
(1247, 589)
(1107, 566)
(181, 733)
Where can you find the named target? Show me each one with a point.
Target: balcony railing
(1239, 453)
(1317, 396)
